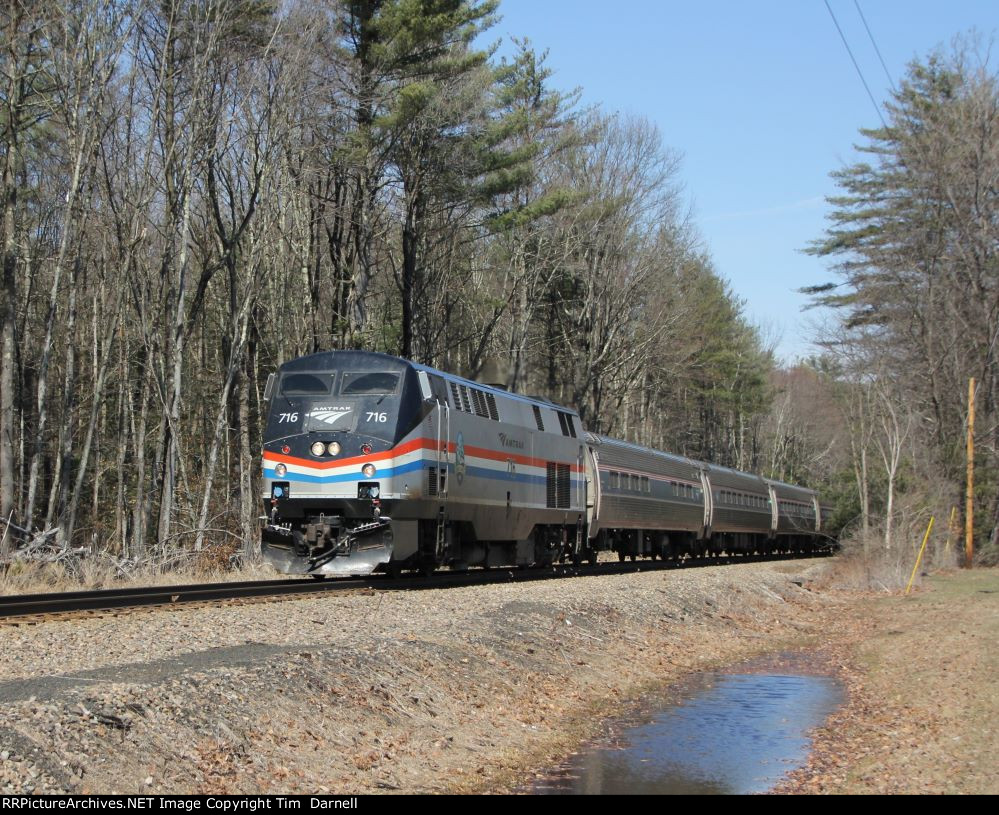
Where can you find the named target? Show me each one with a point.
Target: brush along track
(40, 607)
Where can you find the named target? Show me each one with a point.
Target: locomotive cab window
(378, 382)
(306, 384)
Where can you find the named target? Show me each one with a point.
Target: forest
(195, 191)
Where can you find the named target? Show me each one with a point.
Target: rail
(15, 607)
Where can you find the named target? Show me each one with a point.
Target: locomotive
(375, 463)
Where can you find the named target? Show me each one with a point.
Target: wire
(855, 65)
(876, 49)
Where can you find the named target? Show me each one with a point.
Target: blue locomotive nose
(333, 425)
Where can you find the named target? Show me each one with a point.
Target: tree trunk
(68, 520)
(8, 316)
(140, 509)
(172, 415)
(247, 499)
(409, 266)
(59, 488)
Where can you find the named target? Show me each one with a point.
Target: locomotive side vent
(432, 481)
(537, 418)
(557, 483)
(479, 400)
(565, 422)
(455, 396)
(493, 412)
(562, 482)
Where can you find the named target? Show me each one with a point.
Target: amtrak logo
(329, 416)
(509, 441)
(459, 458)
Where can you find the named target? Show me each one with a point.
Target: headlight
(334, 448)
(280, 470)
(374, 492)
(318, 448)
(368, 470)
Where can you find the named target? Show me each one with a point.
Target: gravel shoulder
(458, 690)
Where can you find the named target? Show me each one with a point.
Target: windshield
(306, 384)
(365, 383)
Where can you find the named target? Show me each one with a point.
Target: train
(372, 463)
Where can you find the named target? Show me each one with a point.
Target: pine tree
(915, 237)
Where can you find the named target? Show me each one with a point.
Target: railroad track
(15, 608)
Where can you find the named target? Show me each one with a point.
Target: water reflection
(729, 733)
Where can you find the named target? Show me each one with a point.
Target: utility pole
(969, 508)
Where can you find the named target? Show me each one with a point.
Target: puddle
(721, 733)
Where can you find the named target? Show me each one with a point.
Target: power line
(855, 65)
(876, 49)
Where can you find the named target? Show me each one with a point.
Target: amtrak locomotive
(371, 462)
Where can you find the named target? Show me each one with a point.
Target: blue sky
(762, 100)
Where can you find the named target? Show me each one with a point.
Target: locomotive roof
(329, 359)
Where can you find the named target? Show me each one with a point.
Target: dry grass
(923, 709)
(28, 577)
(869, 564)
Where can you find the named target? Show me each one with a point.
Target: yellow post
(969, 505)
(919, 557)
(950, 529)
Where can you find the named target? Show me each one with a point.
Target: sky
(762, 101)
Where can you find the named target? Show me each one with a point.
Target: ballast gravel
(451, 690)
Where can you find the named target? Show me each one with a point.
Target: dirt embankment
(456, 690)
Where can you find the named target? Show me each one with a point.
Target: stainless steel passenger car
(650, 503)
(373, 462)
